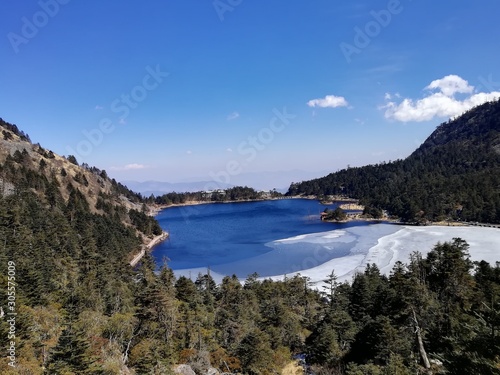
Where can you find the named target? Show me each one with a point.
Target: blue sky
(177, 90)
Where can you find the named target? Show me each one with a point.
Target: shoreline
(155, 209)
(384, 249)
(352, 206)
(148, 247)
(398, 222)
(387, 248)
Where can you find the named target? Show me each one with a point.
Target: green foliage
(146, 224)
(454, 174)
(81, 178)
(237, 193)
(71, 354)
(241, 193)
(13, 129)
(72, 159)
(373, 212)
(255, 353)
(369, 369)
(151, 320)
(7, 136)
(336, 215)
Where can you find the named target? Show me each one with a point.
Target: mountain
(59, 184)
(454, 174)
(68, 234)
(269, 180)
(30, 166)
(31, 173)
(257, 180)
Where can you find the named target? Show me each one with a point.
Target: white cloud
(229, 149)
(438, 104)
(233, 116)
(329, 101)
(99, 108)
(450, 85)
(134, 166)
(128, 167)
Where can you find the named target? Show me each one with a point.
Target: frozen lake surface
(286, 237)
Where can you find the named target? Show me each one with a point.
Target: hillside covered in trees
(66, 236)
(454, 174)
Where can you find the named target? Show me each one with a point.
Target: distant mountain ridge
(158, 188)
(454, 174)
(263, 180)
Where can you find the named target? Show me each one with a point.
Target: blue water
(216, 234)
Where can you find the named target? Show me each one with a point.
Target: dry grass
(56, 164)
(292, 368)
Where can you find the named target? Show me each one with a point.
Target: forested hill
(68, 232)
(58, 182)
(454, 174)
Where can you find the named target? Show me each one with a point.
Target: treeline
(11, 128)
(453, 175)
(24, 158)
(145, 223)
(118, 187)
(231, 194)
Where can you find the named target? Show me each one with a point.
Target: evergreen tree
(71, 355)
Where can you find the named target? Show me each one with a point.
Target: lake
(268, 237)
(286, 237)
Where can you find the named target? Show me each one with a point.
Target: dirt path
(155, 241)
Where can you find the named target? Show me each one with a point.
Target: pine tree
(71, 354)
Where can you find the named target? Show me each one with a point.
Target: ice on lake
(349, 250)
